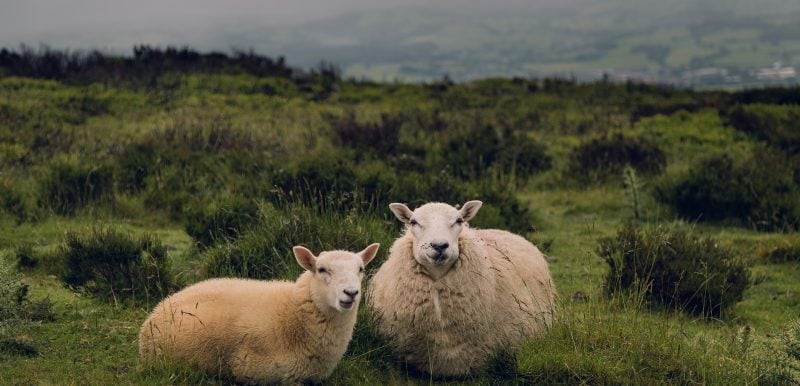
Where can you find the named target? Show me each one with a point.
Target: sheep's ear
(470, 209)
(369, 253)
(304, 257)
(401, 211)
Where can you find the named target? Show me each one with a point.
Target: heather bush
(221, 220)
(601, 158)
(674, 269)
(69, 185)
(473, 152)
(117, 267)
(756, 190)
(777, 125)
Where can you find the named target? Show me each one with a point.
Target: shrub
(757, 190)
(523, 156)
(674, 269)
(26, 258)
(115, 266)
(15, 203)
(266, 251)
(473, 152)
(134, 165)
(777, 125)
(222, 220)
(334, 182)
(69, 185)
(601, 158)
(381, 137)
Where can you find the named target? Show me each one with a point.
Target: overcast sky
(215, 24)
(115, 24)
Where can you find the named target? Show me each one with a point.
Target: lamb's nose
(440, 246)
(351, 292)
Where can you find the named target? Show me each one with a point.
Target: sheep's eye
(322, 270)
(414, 222)
(361, 270)
(460, 221)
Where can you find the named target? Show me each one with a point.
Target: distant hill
(716, 43)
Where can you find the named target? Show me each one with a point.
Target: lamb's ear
(470, 209)
(369, 253)
(304, 257)
(401, 211)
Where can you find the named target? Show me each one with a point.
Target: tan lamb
(448, 297)
(263, 331)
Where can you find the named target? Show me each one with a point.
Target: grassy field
(318, 159)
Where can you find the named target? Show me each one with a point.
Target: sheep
(449, 297)
(263, 331)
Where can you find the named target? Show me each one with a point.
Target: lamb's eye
(322, 270)
(460, 221)
(414, 222)
(361, 270)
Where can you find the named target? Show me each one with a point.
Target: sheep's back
(205, 322)
(524, 290)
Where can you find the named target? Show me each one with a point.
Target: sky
(114, 24)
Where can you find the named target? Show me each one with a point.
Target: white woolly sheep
(448, 297)
(263, 331)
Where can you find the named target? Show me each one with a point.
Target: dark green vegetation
(118, 188)
(674, 269)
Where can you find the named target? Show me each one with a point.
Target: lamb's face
(436, 227)
(337, 275)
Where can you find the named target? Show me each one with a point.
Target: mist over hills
(710, 43)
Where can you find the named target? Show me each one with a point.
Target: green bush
(335, 182)
(15, 202)
(475, 151)
(380, 137)
(69, 185)
(600, 158)
(757, 190)
(222, 220)
(134, 165)
(778, 125)
(26, 258)
(674, 269)
(116, 267)
(266, 251)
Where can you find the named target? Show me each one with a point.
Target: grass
(594, 341)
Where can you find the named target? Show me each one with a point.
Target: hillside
(184, 166)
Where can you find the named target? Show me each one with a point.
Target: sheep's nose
(440, 246)
(351, 292)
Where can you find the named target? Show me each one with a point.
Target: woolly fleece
(498, 293)
(256, 331)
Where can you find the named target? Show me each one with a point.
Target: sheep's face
(436, 227)
(337, 276)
